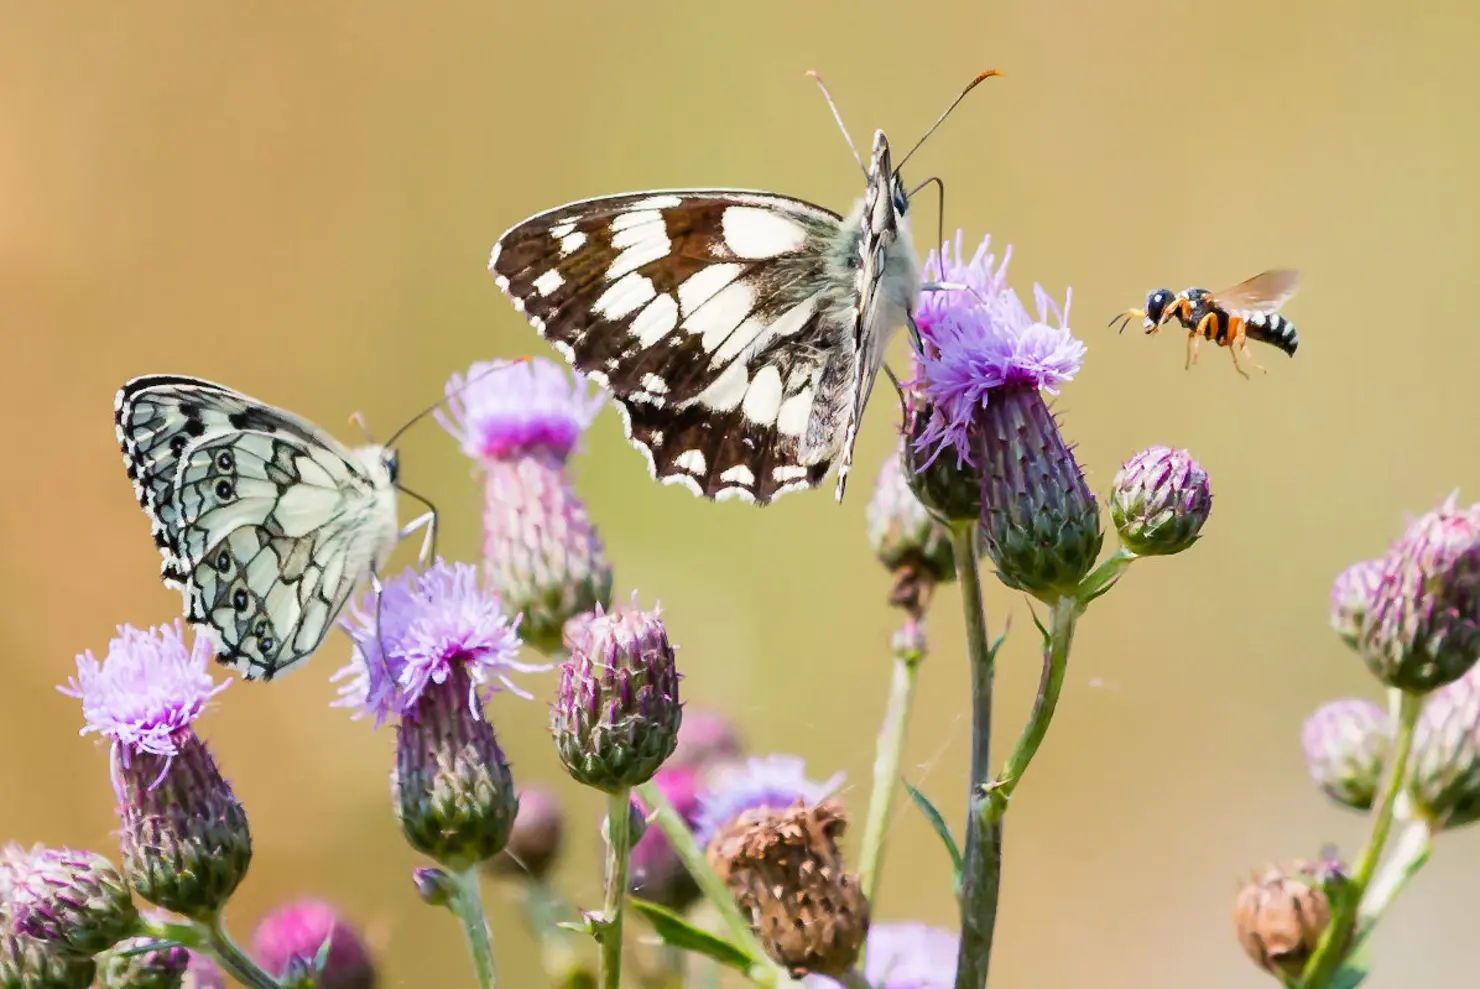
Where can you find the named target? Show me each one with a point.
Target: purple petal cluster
(501, 411)
(298, 930)
(429, 622)
(773, 781)
(905, 956)
(1351, 596)
(979, 338)
(147, 690)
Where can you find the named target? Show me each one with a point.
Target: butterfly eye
(225, 461)
(223, 562)
(224, 490)
(239, 600)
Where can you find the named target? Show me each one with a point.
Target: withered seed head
(786, 873)
(1281, 915)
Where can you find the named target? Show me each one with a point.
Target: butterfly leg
(951, 287)
(427, 521)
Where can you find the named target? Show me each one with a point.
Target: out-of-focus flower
(1421, 629)
(71, 899)
(126, 967)
(202, 973)
(907, 539)
(705, 738)
(616, 718)
(656, 873)
(904, 956)
(520, 423)
(1159, 501)
(186, 844)
(985, 366)
(1444, 777)
(291, 937)
(774, 782)
(1351, 596)
(536, 839)
(1346, 743)
(1280, 916)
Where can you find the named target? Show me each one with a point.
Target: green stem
(211, 938)
(618, 851)
(681, 840)
(887, 756)
(467, 904)
(1104, 576)
(981, 868)
(1337, 938)
(1409, 855)
(1055, 664)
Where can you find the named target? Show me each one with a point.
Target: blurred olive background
(299, 200)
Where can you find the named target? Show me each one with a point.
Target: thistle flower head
(1444, 778)
(1351, 596)
(1159, 501)
(1422, 628)
(905, 956)
(536, 837)
(1280, 916)
(26, 963)
(147, 692)
(773, 782)
(1346, 743)
(70, 899)
(291, 936)
(656, 873)
(503, 411)
(617, 716)
(127, 967)
(907, 538)
(430, 624)
(705, 738)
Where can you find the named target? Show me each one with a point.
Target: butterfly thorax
(381, 465)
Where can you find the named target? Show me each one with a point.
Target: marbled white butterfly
(739, 332)
(265, 522)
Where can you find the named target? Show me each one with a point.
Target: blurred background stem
(1409, 855)
(981, 871)
(618, 851)
(887, 756)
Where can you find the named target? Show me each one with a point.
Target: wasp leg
(1244, 346)
(1233, 352)
(1193, 341)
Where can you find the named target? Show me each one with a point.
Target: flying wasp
(1230, 318)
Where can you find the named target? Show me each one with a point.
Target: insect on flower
(1230, 317)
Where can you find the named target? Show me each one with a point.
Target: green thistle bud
(1422, 629)
(26, 963)
(617, 715)
(163, 968)
(1159, 501)
(73, 900)
(1444, 778)
(907, 539)
(1040, 523)
(1346, 743)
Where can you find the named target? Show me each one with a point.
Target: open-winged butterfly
(739, 332)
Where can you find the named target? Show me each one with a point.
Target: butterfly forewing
(713, 317)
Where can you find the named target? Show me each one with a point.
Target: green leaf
(1354, 969)
(941, 828)
(578, 926)
(140, 949)
(675, 931)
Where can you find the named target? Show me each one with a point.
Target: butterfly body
(739, 332)
(266, 524)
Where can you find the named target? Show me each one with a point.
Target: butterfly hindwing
(713, 317)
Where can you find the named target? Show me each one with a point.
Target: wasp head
(1156, 305)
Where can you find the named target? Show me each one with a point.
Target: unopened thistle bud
(26, 963)
(186, 844)
(535, 841)
(908, 540)
(287, 943)
(73, 900)
(985, 365)
(1159, 501)
(1422, 629)
(1351, 597)
(1280, 917)
(1346, 743)
(1444, 778)
(443, 644)
(617, 715)
(127, 967)
(520, 423)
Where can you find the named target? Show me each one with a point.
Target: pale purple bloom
(905, 956)
(298, 930)
(774, 781)
(429, 623)
(146, 692)
(981, 338)
(501, 410)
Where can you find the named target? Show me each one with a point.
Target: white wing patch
(759, 233)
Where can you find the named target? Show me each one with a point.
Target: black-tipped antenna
(941, 119)
(839, 118)
(434, 406)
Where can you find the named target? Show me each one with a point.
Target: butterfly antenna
(498, 366)
(941, 119)
(839, 118)
(940, 209)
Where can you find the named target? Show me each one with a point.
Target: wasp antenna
(359, 420)
(499, 366)
(839, 118)
(941, 119)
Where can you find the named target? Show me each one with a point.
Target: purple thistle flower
(774, 782)
(430, 624)
(502, 411)
(73, 900)
(288, 940)
(904, 956)
(657, 873)
(982, 338)
(146, 693)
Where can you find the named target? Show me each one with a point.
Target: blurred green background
(299, 200)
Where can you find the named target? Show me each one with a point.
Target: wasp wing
(1261, 295)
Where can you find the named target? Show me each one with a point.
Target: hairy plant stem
(1336, 940)
(210, 938)
(1055, 663)
(1415, 842)
(467, 905)
(981, 869)
(618, 851)
(887, 756)
(764, 973)
(1105, 575)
